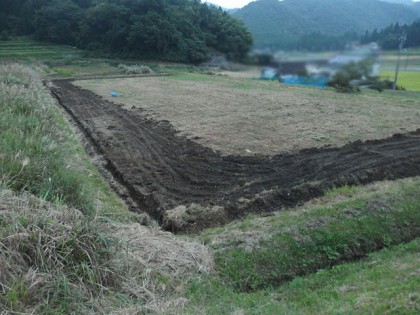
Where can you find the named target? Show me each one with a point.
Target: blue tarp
(308, 81)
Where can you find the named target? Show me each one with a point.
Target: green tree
(153, 33)
(179, 30)
(105, 27)
(58, 22)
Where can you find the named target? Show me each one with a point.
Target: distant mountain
(416, 7)
(231, 11)
(277, 23)
(405, 2)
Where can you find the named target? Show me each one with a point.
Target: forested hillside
(282, 23)
(390, 37)
(177, 30)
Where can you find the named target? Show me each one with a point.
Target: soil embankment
(163, 171)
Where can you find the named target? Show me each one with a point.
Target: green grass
(409, 80)
(323, 237)
(386, 282)
(263, 263)
(39, 152)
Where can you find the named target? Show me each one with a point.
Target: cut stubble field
(237, 116)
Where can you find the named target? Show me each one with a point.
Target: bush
(343, 80)
(342, 83)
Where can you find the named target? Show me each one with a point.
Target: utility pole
(403, 38)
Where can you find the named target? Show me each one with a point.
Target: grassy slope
(385, 282)
(51, 257)
(262, 251)
(40, 152)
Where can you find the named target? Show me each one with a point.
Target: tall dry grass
(52, 260)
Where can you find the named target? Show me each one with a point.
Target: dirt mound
(163, 171)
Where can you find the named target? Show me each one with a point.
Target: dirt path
(163, 171)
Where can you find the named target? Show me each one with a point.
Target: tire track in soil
(162, 170)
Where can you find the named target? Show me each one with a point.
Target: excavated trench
(162, 170)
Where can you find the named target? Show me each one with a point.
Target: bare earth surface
(245, 117)
(187, 186)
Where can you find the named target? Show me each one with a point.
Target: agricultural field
(410, 80)
(247, 117)
(409, 72)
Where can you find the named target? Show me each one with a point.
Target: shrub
(342, 80)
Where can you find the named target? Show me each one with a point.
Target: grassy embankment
(56, 259)
(52, 257)
(68, 244)
(386, 282)
(263, 263)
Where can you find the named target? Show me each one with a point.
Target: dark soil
(162, 170)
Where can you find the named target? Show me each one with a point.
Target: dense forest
(390, 37)
(177, 30)
(291, 24)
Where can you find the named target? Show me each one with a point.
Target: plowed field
(176, 179)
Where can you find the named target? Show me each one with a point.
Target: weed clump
(135, 69)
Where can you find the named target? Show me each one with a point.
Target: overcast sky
(231, 4)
